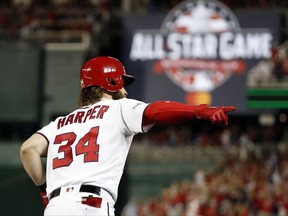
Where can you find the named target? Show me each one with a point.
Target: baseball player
(86, 150)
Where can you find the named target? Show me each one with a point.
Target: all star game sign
(200, 52)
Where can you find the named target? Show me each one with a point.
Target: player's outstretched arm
(167, 112)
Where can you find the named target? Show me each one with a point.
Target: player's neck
(106, 96)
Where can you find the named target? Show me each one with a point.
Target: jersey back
(91, 144)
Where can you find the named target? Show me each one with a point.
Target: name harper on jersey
(97, 112)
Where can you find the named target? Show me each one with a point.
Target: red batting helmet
(106, 72)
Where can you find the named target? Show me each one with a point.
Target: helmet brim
(128, 79)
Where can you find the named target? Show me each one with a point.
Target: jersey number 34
(87, 146)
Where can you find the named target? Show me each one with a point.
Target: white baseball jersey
(91, 144)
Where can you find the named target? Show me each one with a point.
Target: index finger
(229, 108)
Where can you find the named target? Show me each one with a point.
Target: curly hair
(93, 94)
(90, 95)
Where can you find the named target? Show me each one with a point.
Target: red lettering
(81, 116)
(78, 117)
(87, 114)
(61, 122)
(101, 112)
(92, 116)
(69, 119)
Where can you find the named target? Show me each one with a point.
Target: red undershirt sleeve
(168, 112)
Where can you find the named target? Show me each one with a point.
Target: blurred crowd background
(247, 169)
(250, 177)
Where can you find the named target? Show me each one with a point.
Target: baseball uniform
(89, 147)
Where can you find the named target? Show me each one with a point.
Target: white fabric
(116, 122)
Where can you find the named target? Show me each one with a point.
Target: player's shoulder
(129, 101)
(131, 104)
